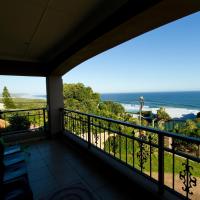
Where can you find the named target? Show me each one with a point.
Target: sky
(165, 59)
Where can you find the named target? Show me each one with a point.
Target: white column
(55, 102)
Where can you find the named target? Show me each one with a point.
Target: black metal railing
(171, 160)
(27, 120)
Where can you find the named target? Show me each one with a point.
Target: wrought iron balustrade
(27, 120)
(171, 160)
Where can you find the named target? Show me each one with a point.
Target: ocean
(177, 104)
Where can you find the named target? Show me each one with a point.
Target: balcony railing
(170, 160)
(18, 124)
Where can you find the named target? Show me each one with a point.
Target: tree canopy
(112, 107)
(7, 99)
(79, 97)
(162, 115)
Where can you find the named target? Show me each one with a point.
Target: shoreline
(174, 112)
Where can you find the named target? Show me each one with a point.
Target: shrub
(18, 123)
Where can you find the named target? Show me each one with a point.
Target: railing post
(44, 119)
(161, 163)
(89, 133)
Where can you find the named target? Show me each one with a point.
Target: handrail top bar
(20, 110)
(165, 133)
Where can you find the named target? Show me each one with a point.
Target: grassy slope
(23, 103)
(168, 163)
(168, 160)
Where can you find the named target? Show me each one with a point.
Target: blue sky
(165, 59)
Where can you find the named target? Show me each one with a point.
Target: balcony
(43, 39)
(57, 170)
(99, 158)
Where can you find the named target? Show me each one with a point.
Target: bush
(18, 123)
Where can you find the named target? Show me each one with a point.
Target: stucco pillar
(55, 102)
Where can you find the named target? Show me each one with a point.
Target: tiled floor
(53, 165)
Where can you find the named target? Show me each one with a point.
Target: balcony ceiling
(50, 37)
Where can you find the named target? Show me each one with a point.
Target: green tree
(81, 98)
(129, 118)
(144, 122)
(112, 107)
(191, 125)
(190, 128)
(17, 123)
(7, 100)
(163, 115)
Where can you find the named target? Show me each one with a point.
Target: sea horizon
(168, 91)
(22, 95)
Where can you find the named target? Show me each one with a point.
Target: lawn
(168, 162)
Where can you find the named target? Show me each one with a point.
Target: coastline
(179, 105)
(174, 112)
